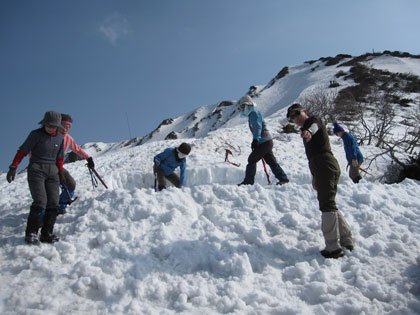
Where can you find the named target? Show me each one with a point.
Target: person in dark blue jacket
(353, 155)
(166, 162)
(262, 143)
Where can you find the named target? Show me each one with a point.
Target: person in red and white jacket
(66, 123)
(45, 171)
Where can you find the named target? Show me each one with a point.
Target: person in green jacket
(325, 174)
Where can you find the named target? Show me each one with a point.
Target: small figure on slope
(166, 162)
(262, 143)
(353, 155)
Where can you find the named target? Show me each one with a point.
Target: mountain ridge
(291, 84)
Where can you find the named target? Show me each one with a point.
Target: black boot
(250, 171)
(32, 225)
(31, 239)
(47, 235)
(279, 173)
(334, 254)
(49, 238)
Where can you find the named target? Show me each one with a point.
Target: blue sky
(121, 67)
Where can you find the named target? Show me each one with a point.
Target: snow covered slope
(213, 247)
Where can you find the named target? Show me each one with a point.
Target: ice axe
(266, 172)
(66, 190)
(227, 158)
(364, 171)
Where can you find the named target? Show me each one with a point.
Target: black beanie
(184, 148)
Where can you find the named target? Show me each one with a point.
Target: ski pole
(93, 178)
(98, 176)
(156, 185)
(266, 172)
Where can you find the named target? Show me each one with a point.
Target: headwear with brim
(337, 128)
(246, 100)
(294, 109)
(51, 118)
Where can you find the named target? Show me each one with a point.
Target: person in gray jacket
(262, 143)
(46, 162)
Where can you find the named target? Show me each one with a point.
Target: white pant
(336, 231)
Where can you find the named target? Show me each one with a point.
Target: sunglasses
(294, 115)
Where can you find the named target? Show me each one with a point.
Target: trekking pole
(92, 170)
(266, 172)
(93, 178)
(156, 184)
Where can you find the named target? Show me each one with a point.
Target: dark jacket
(320, 142)
(322, 163)
(44, 148)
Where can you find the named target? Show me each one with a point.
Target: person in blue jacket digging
(166, 162)
(353, 155)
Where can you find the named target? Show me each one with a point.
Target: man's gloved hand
(11, 174)
(90, 163)
(254, 144)
(62, 177)
(355, 163)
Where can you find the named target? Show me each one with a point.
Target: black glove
(254, 144)
(62, 177)
(11, 174)
(90, 163)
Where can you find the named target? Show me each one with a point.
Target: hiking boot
(334, 254)
(281, 183)
(51, 238)
(244, 183)
(61, 212)
(349, 247)
(32, 239)
(357, 179)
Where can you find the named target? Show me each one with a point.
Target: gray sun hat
(246, 100)
(51, 118)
